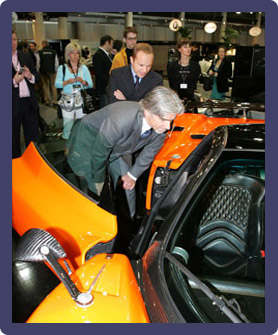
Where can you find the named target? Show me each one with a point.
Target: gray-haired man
(112, 134)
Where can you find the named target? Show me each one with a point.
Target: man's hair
(161, 101)
(117, 44)
(145, 47)
(32, 42)
(71, 47)
(45, 43)
(105, 38)
(129, 30)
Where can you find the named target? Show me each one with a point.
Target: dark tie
(136, 85)
(146, 134)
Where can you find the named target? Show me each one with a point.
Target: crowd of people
(135, 109)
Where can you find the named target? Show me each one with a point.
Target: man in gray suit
(108, 138)
(132, 82)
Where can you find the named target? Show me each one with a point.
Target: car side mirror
(37, 245)
(34, 242)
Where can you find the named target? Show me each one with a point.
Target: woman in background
(221, 69)
(72, 77)
(184, 73)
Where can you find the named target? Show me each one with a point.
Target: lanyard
(184, 73)
(75, 74)
(76, 85)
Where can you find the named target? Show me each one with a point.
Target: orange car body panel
(42, 198)
(179, 144)
(117, 297)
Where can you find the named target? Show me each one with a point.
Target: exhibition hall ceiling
(237, 18)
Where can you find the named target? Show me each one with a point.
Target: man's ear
(131, 60)
(146, 113)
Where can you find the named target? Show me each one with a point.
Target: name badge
(183, 85)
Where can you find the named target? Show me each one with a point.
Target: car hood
(188, 131)
(42, 198)
(116, 295)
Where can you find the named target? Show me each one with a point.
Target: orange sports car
(45, 196)
(198, 257)
(188, 131)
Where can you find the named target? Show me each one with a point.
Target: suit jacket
(122, 79)
(102, 64)
(107, 134)
(24, 59)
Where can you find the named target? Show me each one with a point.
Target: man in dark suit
(24, 102)
(132, 82)
(102, 62)
(108, 138)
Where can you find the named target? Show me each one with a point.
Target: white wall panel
(159, 33)
(51, 31)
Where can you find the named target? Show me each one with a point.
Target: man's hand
(128, 183)
(119, 95)
(18, 77)
(27, 73)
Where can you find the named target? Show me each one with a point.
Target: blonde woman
(71, 78)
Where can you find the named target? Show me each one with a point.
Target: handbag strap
(64, 71)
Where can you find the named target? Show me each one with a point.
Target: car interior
(222, 235)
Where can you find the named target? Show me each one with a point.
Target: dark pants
(26, 116)
(103, 100)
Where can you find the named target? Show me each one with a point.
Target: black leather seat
(231, 232)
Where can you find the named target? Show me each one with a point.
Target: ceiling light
(210, 27)
(238, 12)
(255, 31)
(175, 24)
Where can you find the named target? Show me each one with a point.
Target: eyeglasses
(131, 38)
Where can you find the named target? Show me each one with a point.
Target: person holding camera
(72, 77)
(24, 102)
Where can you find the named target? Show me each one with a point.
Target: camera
(21, 70)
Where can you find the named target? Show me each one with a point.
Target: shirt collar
(145, 125)
(134, 74)
(105, 52)
(15, 59)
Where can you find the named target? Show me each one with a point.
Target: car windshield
(220, 238)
